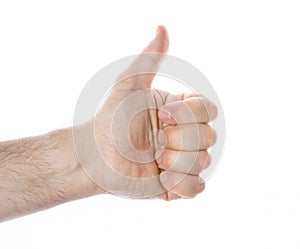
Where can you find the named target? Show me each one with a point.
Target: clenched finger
(190, 137)
(189, 162)
(186, 186)
(191, 110)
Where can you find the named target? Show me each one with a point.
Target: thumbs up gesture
(150, 143)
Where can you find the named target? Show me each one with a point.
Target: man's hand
(171, 129)
(157, 152)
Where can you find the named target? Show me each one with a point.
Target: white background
(250, 52)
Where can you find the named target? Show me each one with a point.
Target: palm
(142, 134)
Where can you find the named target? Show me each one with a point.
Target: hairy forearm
(40, 172)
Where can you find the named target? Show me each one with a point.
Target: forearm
(40, 172)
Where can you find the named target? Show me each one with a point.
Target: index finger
(189, 110)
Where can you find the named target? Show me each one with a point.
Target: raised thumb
(140, 73)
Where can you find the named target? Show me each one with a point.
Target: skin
(40, 172)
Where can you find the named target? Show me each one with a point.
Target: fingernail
(164, 115)
(157, 36)
(158, 156)
(161, 138)
(154, 40)
(164, 178)
(157, 30)
(159, 159)
(157, 33)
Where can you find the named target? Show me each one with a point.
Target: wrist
(78, 183)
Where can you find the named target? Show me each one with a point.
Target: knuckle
(153, 57)
(213, 111)
(213, 136)
(209, 108)
(206, 160)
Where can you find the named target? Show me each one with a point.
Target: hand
(155, 152)
(143, 143)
